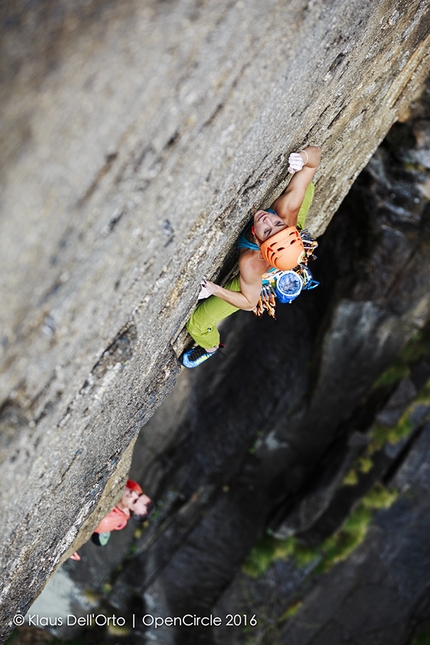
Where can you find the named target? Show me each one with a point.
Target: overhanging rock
(131, 165)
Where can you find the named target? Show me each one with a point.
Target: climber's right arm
(251, 269)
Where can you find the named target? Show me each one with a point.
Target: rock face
(235, 451)
(262, 447)
(386, 573)
(136, 147)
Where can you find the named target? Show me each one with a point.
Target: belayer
(271, 246)
(134, 503)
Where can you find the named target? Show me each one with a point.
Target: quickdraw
(267, 301)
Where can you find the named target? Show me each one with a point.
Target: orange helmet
(284, 250)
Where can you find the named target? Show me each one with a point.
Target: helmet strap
(255, 236)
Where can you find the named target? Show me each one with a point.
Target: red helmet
(134, 486)
(284, 250)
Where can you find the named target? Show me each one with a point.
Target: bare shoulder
(251, 265)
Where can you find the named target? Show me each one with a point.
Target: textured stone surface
(134, 154)
(388, 572)
(240, 444)
(268, 422)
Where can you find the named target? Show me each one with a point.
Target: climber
(133, 504)
(272, 241)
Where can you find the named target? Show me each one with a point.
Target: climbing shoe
(100, 539)
(195, 357)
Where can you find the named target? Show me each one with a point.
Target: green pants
(202, 324)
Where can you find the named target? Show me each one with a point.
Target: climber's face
(267, 224)
(140, 505)
(129, 497)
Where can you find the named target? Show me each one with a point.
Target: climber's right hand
(205, 289)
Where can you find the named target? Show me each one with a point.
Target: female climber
(133, 504)
(272, 241)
